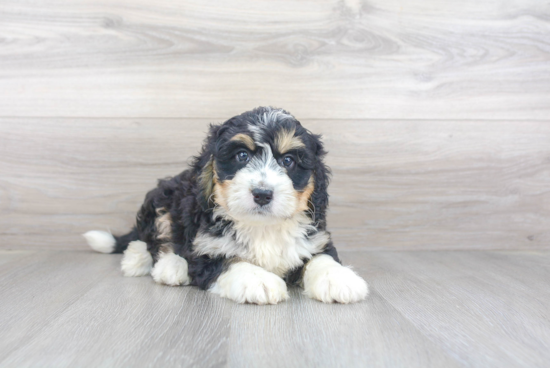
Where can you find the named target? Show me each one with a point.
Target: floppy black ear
(321, 175)
(204, 168)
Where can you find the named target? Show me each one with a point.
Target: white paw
(328, 281)
(247, 283)
(170, 269)
(137, 260)
(100, 241)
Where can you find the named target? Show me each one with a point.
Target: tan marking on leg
(246, 139)
(163, 224)
(166, 248)
(286, 141)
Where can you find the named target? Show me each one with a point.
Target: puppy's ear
(206, 184)
(204, 168)
(321, 174)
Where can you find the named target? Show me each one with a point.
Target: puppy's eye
(288, 162)
(242, 156)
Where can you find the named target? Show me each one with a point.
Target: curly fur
(208, 216)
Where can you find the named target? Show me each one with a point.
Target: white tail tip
(100, 241)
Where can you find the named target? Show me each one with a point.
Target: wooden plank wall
(435, 113)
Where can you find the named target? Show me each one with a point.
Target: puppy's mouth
(262, 210)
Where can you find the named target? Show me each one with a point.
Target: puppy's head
(263, 166)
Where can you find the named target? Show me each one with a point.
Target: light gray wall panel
(396, 184)
(319, 59)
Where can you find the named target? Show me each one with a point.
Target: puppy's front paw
(246, 283)
(328, 281)
(170, 269)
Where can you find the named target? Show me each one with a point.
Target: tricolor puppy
(246, 220)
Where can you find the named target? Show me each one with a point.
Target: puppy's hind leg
(170, 269)
(137, 260)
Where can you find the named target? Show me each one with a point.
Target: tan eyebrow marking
(246, 139)
(285, 141)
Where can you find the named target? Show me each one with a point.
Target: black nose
(262, 196)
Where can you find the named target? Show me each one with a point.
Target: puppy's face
(262, 166)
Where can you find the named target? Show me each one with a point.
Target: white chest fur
(277, 247)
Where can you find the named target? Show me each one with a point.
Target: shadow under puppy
(245, 220)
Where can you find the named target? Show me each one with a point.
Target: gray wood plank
(472, 308)
(131, 322)
(396, 184)
(10, 257)
(347, 59)
(426, 309)
(306, 333)
(35, 290)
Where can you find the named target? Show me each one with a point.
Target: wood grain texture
(399, 185)
(38, 288)
(136, 323)
(306, 333)
(477, 297)
(426, 309)
(319, 59)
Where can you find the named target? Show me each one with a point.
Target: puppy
(246, 220)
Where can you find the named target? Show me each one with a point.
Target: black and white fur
(246, 220)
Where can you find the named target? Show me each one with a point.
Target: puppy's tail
(104, 242)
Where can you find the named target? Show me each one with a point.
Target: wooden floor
(426, 309)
